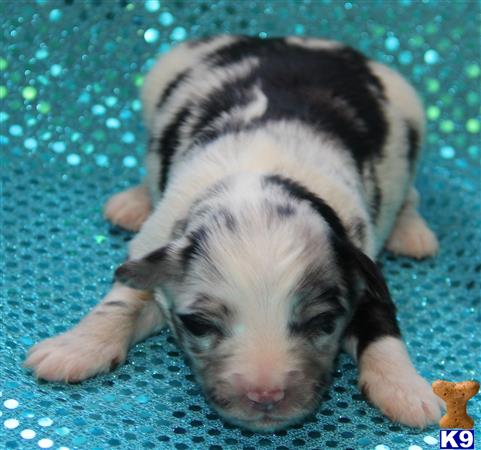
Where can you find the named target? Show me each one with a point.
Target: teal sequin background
(71, 135)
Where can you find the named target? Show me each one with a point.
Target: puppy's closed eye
(323, 323)
(198, 325)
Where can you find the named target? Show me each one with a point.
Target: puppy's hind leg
(101, 340)
(411, 235)
(129, 209)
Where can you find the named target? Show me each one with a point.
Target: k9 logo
(456, 439)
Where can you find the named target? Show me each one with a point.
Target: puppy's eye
(324, 323)
(198, 325)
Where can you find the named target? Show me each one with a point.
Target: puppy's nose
(265, 399)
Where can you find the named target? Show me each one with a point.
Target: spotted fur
(278, 168)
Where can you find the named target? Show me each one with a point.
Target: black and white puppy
(278, 169)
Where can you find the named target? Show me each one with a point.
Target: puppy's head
(258, 289)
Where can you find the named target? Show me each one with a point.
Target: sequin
(30, 144)
(112, 122)
(299, 29)
(98, 110)
(59, 147)
(56, 70)
(45, 443)
(392, 43)
(447, 126)
(41, 53)
(130, 161)
(43, 107)
(111, 101)
(178, 34)
(11, 424)
(16, 130)
(433, 112)
(473, 71)
(447, 152)
(152, 5)
(45, 422)
(406, 57)
(430, 440)
(166, 19)
(473, 125)
(151, 35)
(28, 434)
(128, 138)
(433, 85)
(431, 57)
(102, 160)
(86, 61)
(73, 159)
(29, 93)
(55, 15)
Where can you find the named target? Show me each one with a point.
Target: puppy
(278, 169)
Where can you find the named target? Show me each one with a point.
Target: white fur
(391, 383)
(169, 67)
(411, 235)
(99, 341)
(270, 150)
(129, 209)
(257, 272)
(314, 43)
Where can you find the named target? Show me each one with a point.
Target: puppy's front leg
(101, 340)
(386, 374)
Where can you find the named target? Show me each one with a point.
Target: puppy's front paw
(404, 396)
(74, 356)
(390, 382)
(129, 209)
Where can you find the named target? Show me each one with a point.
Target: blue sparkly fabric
(71, 135)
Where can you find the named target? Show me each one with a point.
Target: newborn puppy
(278, 169)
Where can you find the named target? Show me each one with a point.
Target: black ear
(366, 268)
(374, 279)
(152, 270)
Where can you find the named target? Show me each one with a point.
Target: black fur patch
(311, 85)
(413, 145)
(169, 142)
(285, 210)
(331, 90)
(358, 229)
(236, 93)
(118, 303)
(197, 244)
(372, 320)
(377, 199)
(300, 193)
(225, 218)
(171, 87)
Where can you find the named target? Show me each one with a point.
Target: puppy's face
(258, 301)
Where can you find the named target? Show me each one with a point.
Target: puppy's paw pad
(129, 209)
(73, 357)
(413, 238)
(404, 398)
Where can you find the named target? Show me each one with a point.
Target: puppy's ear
(154, 269)
(374, 279)
(367, 269)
